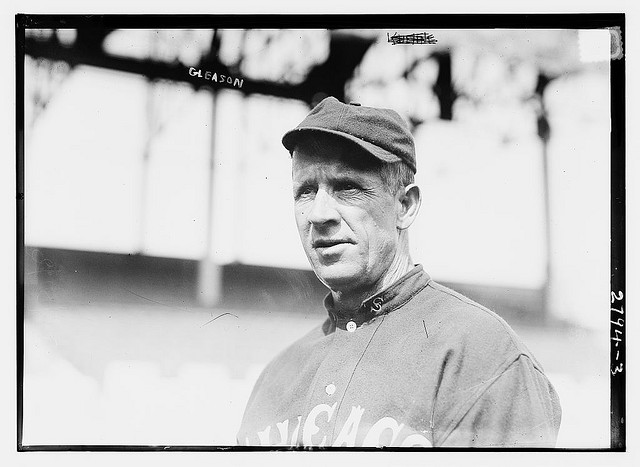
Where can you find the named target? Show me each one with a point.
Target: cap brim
(291, 138)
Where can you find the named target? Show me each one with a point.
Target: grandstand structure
(306, 66)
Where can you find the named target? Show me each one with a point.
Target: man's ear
(409, 201)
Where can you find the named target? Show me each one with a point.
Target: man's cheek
(303, 228)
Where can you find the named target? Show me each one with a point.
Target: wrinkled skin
(347, 220)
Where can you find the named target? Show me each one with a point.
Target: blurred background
(163, 268)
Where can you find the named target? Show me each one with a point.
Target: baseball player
(400, 360)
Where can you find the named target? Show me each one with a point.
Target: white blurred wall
(482, 220)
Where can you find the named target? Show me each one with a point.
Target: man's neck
(352, 299)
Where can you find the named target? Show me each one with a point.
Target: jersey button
(351, 326)
(330, 389)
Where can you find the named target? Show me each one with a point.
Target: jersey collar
(385, 301)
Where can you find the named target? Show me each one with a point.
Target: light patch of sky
(282, 55)
(175, 207)
(594, 45)
(579, 161)
(134, 43)
(265, 231)
(470, 182)
(82, 164)
(184, 45)
(252, 199)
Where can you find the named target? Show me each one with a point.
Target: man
(400, 360)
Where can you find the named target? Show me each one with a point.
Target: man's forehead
(331, 166)
(334, 154)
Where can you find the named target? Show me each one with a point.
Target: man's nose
(323, 210)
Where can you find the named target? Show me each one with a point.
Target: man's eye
(347, 187)
(304, 191)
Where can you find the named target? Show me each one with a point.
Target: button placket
(335, 372)
(358, 344)
(334, 369)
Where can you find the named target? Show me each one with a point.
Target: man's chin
(338, 277)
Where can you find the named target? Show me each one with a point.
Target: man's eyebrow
(354, 178)
(336, 177)
(302, 181)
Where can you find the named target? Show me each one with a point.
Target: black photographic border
(420, 21)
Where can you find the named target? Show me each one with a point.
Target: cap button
(355, 103)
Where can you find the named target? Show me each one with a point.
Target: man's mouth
(327, 243)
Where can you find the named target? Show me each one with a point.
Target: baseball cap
(381, 132)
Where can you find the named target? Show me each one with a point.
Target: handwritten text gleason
(215, 77)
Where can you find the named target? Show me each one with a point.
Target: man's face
(346, 217)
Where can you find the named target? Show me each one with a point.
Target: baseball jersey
(417, 365)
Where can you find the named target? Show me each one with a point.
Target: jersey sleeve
(519, 408)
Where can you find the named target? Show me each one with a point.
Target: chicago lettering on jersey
(384, 432)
